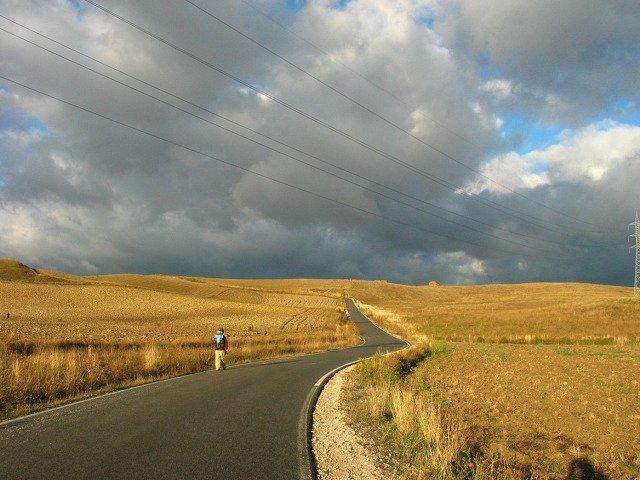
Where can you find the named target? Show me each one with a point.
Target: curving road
(248, 422)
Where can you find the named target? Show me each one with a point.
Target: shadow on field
(583, 469)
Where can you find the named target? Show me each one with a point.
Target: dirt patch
(341, 453)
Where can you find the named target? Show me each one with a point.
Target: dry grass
(541, 407)
(527, 313)
(500, 417)
(70, 336)
(538, 381)
(428, 435)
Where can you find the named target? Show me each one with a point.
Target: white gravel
(339, 450)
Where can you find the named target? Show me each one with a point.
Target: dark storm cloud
(81, 194)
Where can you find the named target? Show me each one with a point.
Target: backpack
(219, 341)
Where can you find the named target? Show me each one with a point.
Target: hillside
(69, 336)
(511, 381)
(510, 369)
(14, 271)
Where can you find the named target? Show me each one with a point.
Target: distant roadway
(247, 422)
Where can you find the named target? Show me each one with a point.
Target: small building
(433, 284)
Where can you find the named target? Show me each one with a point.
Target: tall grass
(71, 336)
(34, 375)
(426, 434)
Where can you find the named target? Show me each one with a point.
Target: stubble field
(70, 336)
(536, 381)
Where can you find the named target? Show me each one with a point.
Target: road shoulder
(340, 452)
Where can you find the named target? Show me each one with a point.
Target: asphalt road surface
(247, 422)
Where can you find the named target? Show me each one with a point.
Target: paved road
(241, 424)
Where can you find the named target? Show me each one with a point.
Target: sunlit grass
(534, 381)
(68, 336)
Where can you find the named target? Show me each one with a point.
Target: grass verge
(466, 411)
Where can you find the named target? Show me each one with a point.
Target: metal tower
(636, 235)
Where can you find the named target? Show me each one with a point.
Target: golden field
(528, 313)
(70, 336)
(534, 381)
(537, 381)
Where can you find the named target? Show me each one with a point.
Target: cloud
(21, 138)
(501, 88)
(458, 267)
(574, 51)
(82, 194)
(583, 156)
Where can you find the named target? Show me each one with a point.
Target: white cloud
(489, 120)
(21, 138)
(585, 156)
(461, 267)
(571, 51)
(501, 88)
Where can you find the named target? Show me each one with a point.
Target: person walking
(221, 346)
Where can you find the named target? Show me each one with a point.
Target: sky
(463, 141)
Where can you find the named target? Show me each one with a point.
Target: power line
(379, 115)
(363, 187)
(277, 141)
(355, 72)
(433, 178)
(283, 103)
(324, 52)
(442, 182)
(243, 126)
(266, 177)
